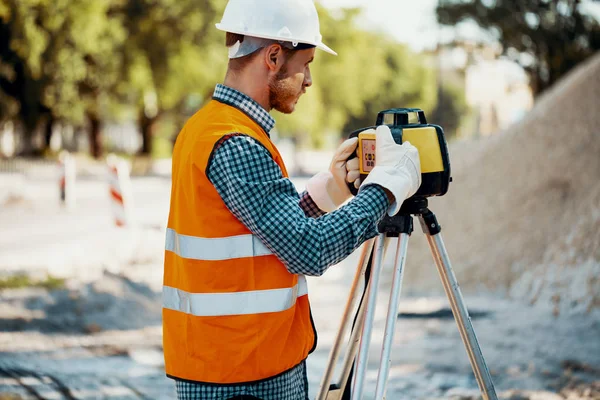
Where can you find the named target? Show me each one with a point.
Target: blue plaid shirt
(304, 238)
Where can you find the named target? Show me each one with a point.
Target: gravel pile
(522, 216)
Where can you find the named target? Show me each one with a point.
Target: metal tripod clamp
(429, 223)
(394, 226)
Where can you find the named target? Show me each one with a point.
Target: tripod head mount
(403, 222)
(414, 206)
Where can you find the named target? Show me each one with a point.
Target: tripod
(399, 226)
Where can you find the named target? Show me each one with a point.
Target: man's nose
(307, 79)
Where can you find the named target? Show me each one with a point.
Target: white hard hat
(294, 21)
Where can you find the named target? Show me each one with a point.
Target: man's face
(291, 81)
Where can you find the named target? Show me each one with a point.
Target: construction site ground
(100, 336)
(521, 223)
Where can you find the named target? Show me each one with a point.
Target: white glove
(397, 168)
(330, 189)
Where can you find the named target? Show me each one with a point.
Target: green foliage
(22, 281)
(162, 148)
(57, 58)
(370, 73)
(55, 47)
(547, 38)
(156, 61)
(408, 83)
(172, 52)
(173, 48)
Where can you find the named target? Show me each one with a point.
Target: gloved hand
(329, 189)
(397, 168)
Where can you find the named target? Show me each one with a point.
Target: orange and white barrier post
(66, 180)
(120, 190)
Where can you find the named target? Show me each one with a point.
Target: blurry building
(496, 89)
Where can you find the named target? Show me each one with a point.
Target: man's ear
(274, 57)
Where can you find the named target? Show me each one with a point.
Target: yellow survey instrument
(410, 124)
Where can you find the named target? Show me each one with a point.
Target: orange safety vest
(232, 312)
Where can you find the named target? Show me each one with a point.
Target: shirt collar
(244, 103)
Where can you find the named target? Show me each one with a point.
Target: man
(240, 239)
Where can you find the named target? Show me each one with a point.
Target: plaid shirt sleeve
(253, 188)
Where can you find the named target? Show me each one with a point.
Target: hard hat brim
(326, 48)
(319, 45)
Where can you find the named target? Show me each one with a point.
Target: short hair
(238, 64)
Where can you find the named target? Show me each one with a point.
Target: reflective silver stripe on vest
(238, 303)
(215, 249)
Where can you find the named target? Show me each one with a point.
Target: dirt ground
(521, 223)
(102, 340)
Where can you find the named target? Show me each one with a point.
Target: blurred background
(515, 84)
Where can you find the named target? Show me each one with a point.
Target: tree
(84, 62)
(173, 51)
(54, 55)
(546, 37)
(370, 73)
(407, 83)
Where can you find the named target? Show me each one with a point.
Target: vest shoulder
(216, 120)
